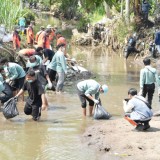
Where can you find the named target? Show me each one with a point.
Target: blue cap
(105, 88)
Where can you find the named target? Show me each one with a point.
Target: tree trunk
(127, 11)
(107, 9)
(137, 8)
(122, 8)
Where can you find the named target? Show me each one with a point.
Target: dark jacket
(146, 7)
(157, 38)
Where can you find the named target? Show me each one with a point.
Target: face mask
(30, 81)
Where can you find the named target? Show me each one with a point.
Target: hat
(49, 26)
(105, 88)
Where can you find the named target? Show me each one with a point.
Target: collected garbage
(100, 113)
(10, 109)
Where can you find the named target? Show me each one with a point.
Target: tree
(127, 11)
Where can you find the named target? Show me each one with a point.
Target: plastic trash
(10, 109)
(101, 113)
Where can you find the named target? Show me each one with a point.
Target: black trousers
(52, 74)
(143, 122)
(130, 49)
(34, 110)
(148, 90)
(83, 99)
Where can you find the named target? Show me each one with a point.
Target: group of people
(43, 66)
(44, 69)
(137, 108)
(43, 38)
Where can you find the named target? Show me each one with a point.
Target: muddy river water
(57, 136)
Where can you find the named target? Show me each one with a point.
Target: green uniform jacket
(14, 71)
(89, 87)
(148, 75)
(58, 62)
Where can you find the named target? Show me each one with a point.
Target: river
(57, 136)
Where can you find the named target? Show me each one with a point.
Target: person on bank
(22, 24)
(131, 46)
(145, 9)
(137, 110)
(30, 35)
(148, 77)
(16, 39)
(86, 90)
(36, 100)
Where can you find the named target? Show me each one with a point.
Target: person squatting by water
(148, 77)
(136, 109)
(86, 89)
(36, 100)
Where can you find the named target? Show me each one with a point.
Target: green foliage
(28, 14)
(83, 21)
(153, 7)
(121, 30)
(97, 15)
(9, 13)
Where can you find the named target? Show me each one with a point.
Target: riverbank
(117, 139)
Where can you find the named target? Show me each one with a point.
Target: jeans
(158, 48)
(61, 76)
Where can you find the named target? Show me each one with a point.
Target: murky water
(57, 136)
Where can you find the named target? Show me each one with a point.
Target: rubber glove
(96, 101)
(49, 85)
(7, 80)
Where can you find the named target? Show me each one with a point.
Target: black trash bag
(100, 113)
(10, 109)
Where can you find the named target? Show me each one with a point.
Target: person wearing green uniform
(59, 62)
(86, 89)
(14, 72)
(5, 91)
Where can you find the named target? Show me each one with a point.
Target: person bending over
(86, 89)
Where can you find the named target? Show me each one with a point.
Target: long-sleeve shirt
(53, 64)
(14, 71)
(148, 75)
(89, 87)
(138, 109)
(61, 65)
